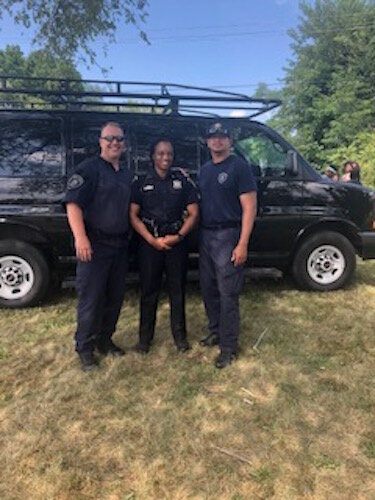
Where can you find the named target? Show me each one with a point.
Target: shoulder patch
(75, 182)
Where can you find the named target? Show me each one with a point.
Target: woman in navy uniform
(158, 203)
(97, 203)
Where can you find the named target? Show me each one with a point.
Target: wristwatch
(180, 236)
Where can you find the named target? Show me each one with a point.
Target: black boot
(110, 348)
(183, 346)
(225, 358)
(141, 348)
(88, 361)
(211, 340)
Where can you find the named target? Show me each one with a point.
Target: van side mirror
(292, 162)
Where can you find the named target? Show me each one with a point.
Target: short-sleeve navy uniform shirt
(221, 185)
(103, 194)
(164, 199)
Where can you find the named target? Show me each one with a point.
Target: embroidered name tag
(177, 184)
(149, 187)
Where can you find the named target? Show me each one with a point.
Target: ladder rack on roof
(122, 96)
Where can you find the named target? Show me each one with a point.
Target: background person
(355, 174)
(346, 177)
(228, 210)
(97, 204)
(157, 214)
(330, 173)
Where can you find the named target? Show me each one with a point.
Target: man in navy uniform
(228, 209)
(97, 202)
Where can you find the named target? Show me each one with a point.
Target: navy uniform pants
(100, 286)
(221, 284)
(152, 263)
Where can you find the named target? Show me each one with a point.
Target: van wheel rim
(16, 277)
(326, 264)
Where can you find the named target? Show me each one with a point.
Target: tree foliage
(38, 64)
(328, 96)
(64, 27)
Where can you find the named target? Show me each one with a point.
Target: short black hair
(158, 141)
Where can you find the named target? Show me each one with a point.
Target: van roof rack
(30, 93)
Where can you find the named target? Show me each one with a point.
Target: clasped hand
(165, 242)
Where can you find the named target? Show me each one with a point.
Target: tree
(64, 27)
(328, 95)
(263, 91)
(38, 64)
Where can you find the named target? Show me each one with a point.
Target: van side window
(31, 148)
(184, 136)
(267, 157)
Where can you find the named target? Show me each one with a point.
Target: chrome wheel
(326, 264)
(16, 277)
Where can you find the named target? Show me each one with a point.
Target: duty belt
(163, 228)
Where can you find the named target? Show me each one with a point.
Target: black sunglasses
(112, 138)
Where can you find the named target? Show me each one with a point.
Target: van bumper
(368, 245)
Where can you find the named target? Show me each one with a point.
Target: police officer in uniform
(97, 202)
(158, 203)
(228, 209)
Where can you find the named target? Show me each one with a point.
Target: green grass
(171, 426)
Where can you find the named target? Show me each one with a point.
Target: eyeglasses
(112, 138)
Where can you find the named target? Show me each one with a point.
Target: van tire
(24, 274)
(325, 261)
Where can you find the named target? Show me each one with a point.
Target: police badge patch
(177, 184)
(75, 182)
(222, 177)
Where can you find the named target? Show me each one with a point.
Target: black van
(306, 224)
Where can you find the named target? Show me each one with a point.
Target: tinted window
(184, 137)
(31, 148)
(267, 156)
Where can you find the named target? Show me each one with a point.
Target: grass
(169, 426)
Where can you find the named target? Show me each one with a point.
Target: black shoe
(225, 358)
(111, 349)
(88, 361)
(142, 348)
(211, 340)
(183, 346)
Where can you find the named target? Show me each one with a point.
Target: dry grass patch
(293, 419)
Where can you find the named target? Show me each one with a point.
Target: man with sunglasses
(97, 202)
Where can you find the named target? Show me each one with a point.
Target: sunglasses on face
(113, 138)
